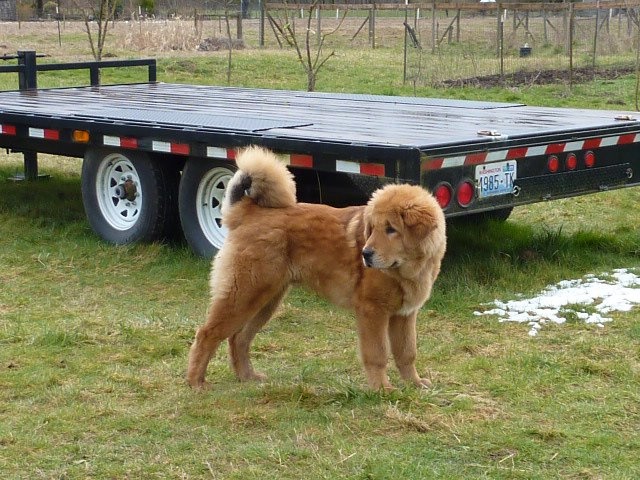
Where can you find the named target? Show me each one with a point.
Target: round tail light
(589, 159)
(465, 193)
(572, 161)
(443, 194)
(553, 164)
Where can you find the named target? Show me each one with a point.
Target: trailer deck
(427, 124)
(157, 155)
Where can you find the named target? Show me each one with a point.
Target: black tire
(202, 188)
(129, 196)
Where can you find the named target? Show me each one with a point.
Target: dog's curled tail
(262, 178)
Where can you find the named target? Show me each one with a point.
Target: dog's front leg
(403, 339)
(372, 333)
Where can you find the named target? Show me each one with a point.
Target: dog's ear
(420, 219)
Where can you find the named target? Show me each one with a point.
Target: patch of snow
(587, 299)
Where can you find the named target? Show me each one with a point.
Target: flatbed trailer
(157, 155)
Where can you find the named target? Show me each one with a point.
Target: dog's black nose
(367, 256)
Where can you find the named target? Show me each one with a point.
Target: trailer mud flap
(547, 187)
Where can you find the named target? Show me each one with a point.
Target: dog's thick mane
(263, 179)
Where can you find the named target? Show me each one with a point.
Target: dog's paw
(253, 377)
(424, 383)
(199, 386)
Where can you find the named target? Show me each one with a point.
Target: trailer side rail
(28, 68)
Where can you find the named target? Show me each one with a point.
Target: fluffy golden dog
(380, 260)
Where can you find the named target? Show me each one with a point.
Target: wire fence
(469, 43)
(454, 43)
(438, 43)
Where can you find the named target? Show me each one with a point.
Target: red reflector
(589, 159)
(553, 164)
(297, 160)
(8, 129)
(375, 169)
(443, 195)
(128, 142)
(465, 193)
(572, 161)
(51, 134)
(180, 148)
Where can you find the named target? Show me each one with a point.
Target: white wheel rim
(209, 198)
(119, 191)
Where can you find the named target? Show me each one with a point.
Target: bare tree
(228, 4)
(97, 14)
(311, 57)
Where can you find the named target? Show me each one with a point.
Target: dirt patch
(543, 77)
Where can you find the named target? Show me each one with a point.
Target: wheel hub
(127, 190)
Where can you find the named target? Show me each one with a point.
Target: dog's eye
(390, 230)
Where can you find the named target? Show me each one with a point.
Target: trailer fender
(129, 196)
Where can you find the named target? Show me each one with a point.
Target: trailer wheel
(202, 188)
(128, 196)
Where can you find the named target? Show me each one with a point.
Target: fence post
(501, 43)
(372, 25)
(595, 34)
(434, 26)
(499, 27)
(404, 52)
(261, 26)
(571, 20)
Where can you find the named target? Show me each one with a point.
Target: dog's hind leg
(240, 342)
(222, 322)
(228, 316)
(402, 337)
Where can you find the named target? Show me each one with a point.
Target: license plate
(496, 178)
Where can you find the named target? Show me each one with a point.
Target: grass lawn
(94, 341)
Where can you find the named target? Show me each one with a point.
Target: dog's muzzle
(367, 257)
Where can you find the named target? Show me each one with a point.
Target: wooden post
(372, 25)
(261, 25)
(434, 26)
(571, 19)
(595, 34)
(499, 28)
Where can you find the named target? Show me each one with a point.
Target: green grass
(94, 339)
(93, 344)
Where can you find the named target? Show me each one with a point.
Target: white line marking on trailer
(111, 141)
(217, 152)
(36, 132)
(348, 167)
(159, 146)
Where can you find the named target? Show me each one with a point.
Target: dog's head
(403, 224)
